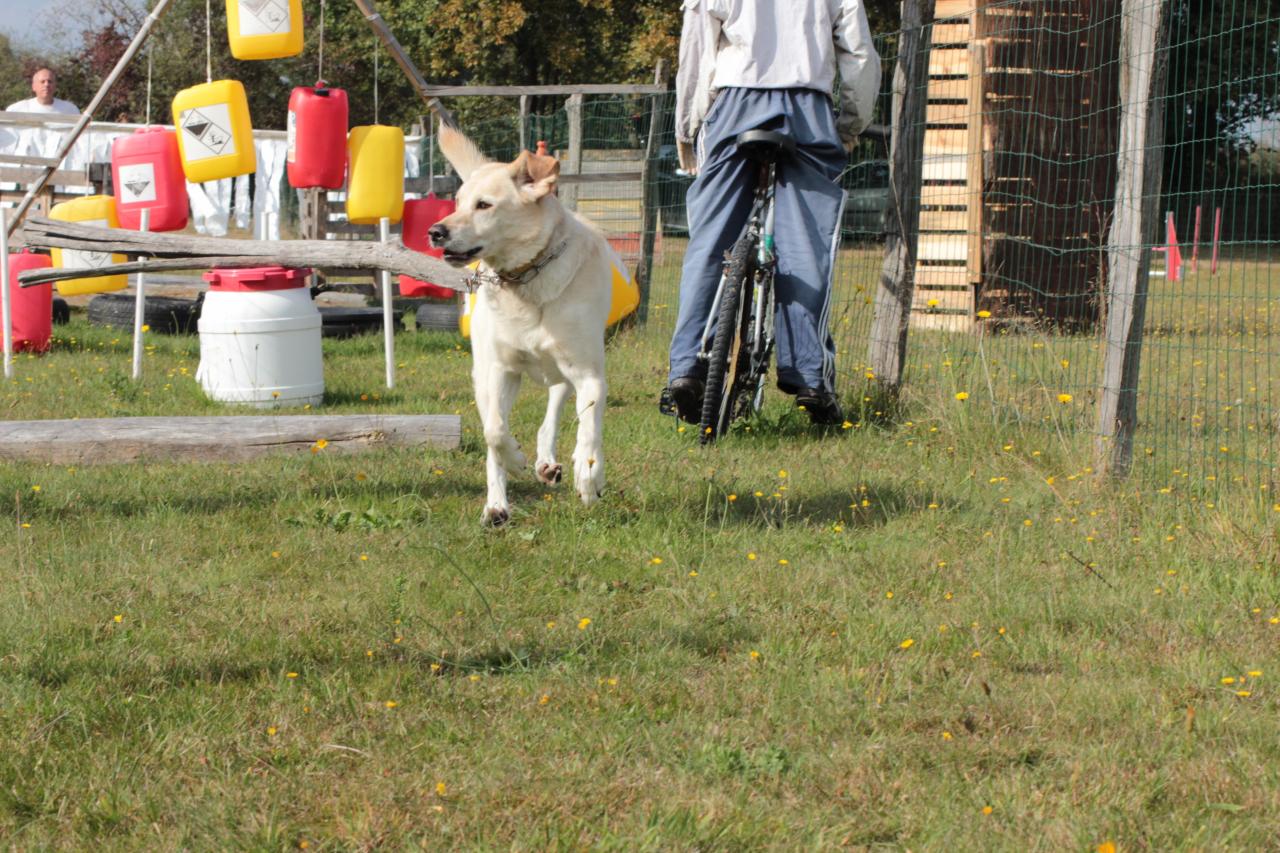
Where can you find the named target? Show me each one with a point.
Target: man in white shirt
(43, 83)
(772, 64)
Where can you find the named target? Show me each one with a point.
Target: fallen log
(186, 252)
(233, 438)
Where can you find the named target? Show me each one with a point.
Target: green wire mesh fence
(1017, 187)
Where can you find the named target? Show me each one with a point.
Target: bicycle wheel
(717, 403)
(752, 363)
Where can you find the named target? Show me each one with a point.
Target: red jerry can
(32, 307)
(146, 174)
(317, 137)
(419, 215)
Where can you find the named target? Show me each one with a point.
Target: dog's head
(503, 214)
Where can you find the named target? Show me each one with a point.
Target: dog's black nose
(438, 234)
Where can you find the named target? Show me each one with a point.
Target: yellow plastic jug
(626, 297)
(90, 210)
(215, 135)
(375, 174)
(264, 29)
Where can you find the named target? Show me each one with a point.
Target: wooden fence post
(888, 346)
(1144, 67)
(649, 194)
(569, 191)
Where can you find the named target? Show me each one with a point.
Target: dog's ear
(461, 152)
(535, 174)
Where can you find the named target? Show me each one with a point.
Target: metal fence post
(649, 194)
(887, 349)
(1144, 67)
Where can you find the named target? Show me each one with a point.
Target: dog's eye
(483, 205)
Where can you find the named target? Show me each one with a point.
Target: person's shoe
(823, 406)
(686, 393)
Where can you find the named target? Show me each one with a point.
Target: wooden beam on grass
(235, 438)
(887, 350)
(1144, 67)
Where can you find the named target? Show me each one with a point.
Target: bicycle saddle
(765, 146)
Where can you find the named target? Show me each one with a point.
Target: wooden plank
(955, 114)
(951, 34)
(949, 89)
(976, 149)
(943, 300)
(61, 177)
(217, 439)
(944, 220)
(1144, 68)
(946, 142)
(949, 62)
(887, 347)
(943, 248)
(942, 322)
(954, 9)
(938, 195)
(933, 277)
(945, 167)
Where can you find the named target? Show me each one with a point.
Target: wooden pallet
(949, 260)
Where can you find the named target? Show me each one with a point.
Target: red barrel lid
(257, 278)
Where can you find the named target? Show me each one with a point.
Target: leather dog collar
(520, 275)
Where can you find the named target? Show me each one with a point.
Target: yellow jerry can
(90, 210)
(215, 135)
(626, 297)
(264, 29)
(375, 174)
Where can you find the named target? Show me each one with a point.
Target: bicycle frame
(760, 228)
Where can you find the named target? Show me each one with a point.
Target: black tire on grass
(438, 316)
(164, 314)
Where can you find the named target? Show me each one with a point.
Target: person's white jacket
(775, 44)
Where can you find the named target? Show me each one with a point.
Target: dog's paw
(496, 516)
(550, 473)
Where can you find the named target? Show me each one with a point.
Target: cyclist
(770, 64)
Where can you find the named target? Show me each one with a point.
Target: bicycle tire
(750, 368)
(717, 406)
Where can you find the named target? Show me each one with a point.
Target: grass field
(940, 631)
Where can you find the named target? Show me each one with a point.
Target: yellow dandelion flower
(751, 555)
(987, 810)
(1228, 680)
(1255, 673)
(1243, 694)
(962, 396)
(983, 315)
(271, 731)
(441, 790)
(784, 562)
(473, 677)
(35, 488)
(364, 557)
(889, 594)
(907, 643)
(693, 573)
(732, 498)
(1064, 398)
(946, 736)
(544, 698)
(291, 675)
(118, 618)
(657, 561)
(583, 623)
(755, 655)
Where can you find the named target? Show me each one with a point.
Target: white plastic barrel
(260, 338)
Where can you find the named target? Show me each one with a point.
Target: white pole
(140, 305)
(388, 316)
(7, 318)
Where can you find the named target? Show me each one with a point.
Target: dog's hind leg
(588, 455)
(548, 469)
(502, 452)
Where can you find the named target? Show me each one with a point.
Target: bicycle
(738, 346)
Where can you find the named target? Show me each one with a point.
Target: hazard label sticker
(264, 17)
(74, 259)
(206, 132)
(137, 183)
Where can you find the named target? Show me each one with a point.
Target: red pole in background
(1195, 244)
(1217, 234)
(1173, 255)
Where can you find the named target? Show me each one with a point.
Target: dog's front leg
(502, 453)
(547, 468)
(588, 456)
